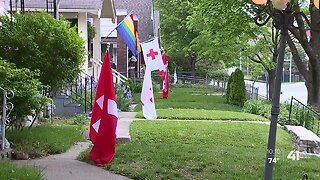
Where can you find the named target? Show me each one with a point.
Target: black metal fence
(252, 92)
(303, 115)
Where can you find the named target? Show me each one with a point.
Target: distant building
(147, 23)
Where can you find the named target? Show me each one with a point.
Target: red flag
(104, 117)
(165, 89)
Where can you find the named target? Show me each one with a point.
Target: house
(79, 11)
(148, 25)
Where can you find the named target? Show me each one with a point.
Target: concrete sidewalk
(65, 166)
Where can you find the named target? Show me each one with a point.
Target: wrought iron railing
(6, 110)
(303, 115)
(82, 91)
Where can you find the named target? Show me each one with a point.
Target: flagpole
(117, 25)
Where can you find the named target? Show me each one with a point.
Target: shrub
(253, 106)
(40, 42)
(81, 121)
(263, 108)
(25, 86)
(136, 87)
(124, 96)
(236, 90)
(230, 80)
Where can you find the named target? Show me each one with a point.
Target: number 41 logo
(294, 155)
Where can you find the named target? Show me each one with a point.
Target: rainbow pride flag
(128, 33)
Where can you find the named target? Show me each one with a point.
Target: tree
(196, 31)
(176, 38)
(39, 42)
(263, 49)
(311, 46)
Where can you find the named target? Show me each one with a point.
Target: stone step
(304, 139)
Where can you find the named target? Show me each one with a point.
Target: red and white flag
(175, 78)
(104, 117)
(147, 99)
(152, 55)
(165, 80)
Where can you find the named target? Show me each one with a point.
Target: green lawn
(44, 140)
(205, 150)
(189, 98)
(201, 114)
(10, 171)
(193, 104)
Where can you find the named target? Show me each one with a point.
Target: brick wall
(121, 52)
(142, 10)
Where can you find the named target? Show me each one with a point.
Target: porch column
(83, 32)
(97, 45)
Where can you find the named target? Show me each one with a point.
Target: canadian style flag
(104, 117)
(152, 55)
(175, 78)
(147, 99)
(165, 80)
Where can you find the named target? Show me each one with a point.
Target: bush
(136, 87)
(25, 86)
(81, 121)
(236, 90)
(263, 108)
(124, 96)
(40, 42)
(228, 93)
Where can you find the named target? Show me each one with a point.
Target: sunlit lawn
(205, 150)
(201, 114)
(190, 98)
(193, 104)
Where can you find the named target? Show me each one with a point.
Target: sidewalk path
(65, 166)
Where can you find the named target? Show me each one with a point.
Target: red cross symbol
(152, 54)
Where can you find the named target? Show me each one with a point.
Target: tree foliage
(237, 89)
(25, 86)
(39, 42)
(228, 93)
(197, 33)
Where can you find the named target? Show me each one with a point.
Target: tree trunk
(193, 68)
(271, 82)
(313, 84)
(311, 72)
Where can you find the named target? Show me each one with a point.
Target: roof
(106, 6)
(64, 4)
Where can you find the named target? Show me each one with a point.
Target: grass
(44, 139)
(189, 98)
(201, 114)
(206, 150)
(193, 104)
(10, 171)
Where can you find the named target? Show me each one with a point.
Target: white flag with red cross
(147, 99)
(152, 55)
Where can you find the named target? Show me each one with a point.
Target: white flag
(175, 79)
(147, 99)
(152, 55)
